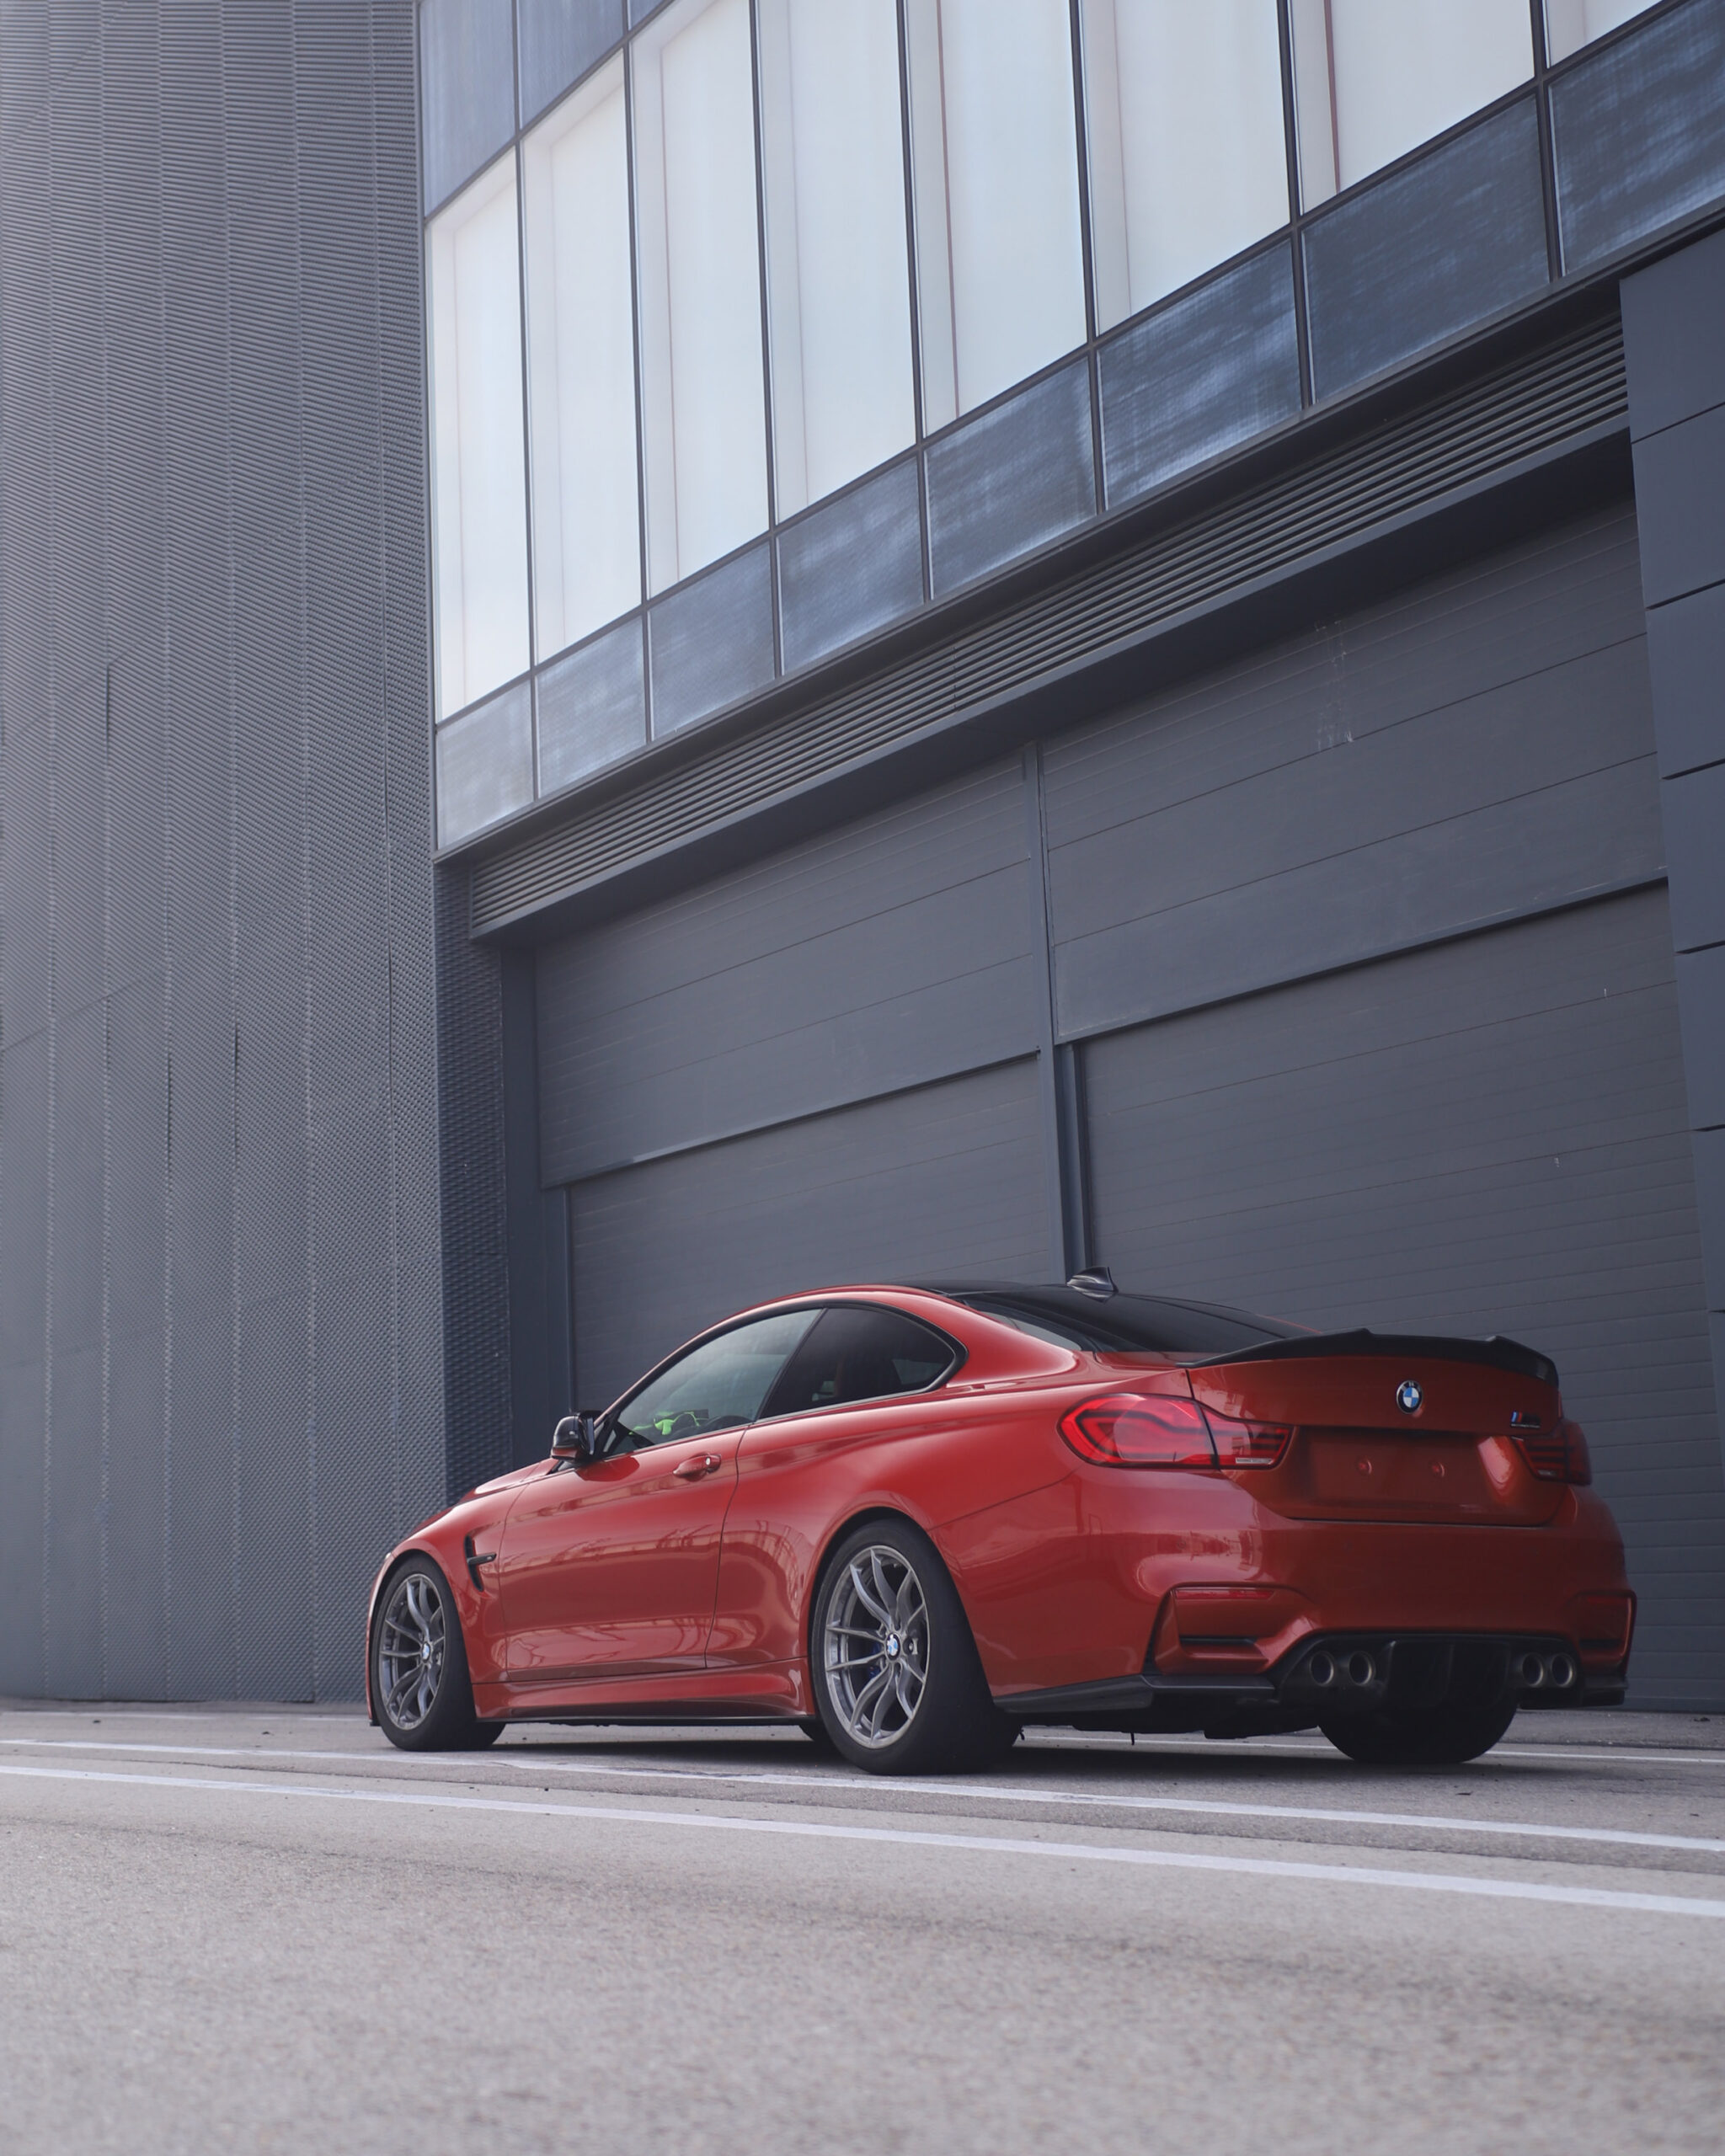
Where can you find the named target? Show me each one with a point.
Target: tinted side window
(717, 1386)
(859, 1353)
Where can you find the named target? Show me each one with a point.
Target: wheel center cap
(892, 1644)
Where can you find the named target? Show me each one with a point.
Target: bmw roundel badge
(1408, 1397)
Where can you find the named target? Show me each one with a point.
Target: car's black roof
(1115, 1322)
(1121, 1323)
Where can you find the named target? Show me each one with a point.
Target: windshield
(1128, 1325)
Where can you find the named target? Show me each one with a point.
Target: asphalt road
(264, 1929)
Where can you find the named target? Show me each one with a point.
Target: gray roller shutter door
(1487, 1136)
(945, 1178)
(892, 953)
(816, 1069)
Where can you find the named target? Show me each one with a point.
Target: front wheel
(1432, 1737)
(896, 1676)
(419, 1682)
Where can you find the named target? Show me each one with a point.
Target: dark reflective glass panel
(852, 566)
(1638, 132)
(1199, 377)
(484, 764)
(592, 706)
(559, 40)
(1427, 252)
(712, 642)
(1014, 478)
(467, 89)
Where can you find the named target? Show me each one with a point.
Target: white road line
(1433, 1822)
(227, 1751)
(125, 1711)
(1051, 1739)
(1063, 1740)
(816, 1778)
(1429, 1883)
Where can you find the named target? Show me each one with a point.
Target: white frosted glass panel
(478, 465)
(1375, 79)
(581, 365)
(700, 272)
(999, 262)
(1187, 164)
(1572, 23)
(837, 269)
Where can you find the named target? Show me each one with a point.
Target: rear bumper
(1072, 1585)
(1331, 1675)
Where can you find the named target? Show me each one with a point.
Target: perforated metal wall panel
(221, 1378)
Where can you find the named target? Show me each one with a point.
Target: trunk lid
(1394, 1427)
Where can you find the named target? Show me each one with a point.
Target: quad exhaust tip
(1531, 1671)
(1538, 1673)
(1354, 1671)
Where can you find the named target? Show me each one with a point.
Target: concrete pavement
(264, 1929)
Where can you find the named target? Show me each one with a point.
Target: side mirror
(576, 1437)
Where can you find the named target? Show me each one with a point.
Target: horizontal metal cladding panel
(26, 1143)
(1479, 748)
(889, 953)
(945, 1179)
(1523, 410)
(73, 1606)
(135, 1645)
(1487, 1136)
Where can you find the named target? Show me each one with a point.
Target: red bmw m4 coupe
(915, 1519)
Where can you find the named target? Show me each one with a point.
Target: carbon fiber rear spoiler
(1496, 1353)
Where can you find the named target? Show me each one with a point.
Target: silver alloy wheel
(874, 1648)
(410, 1650)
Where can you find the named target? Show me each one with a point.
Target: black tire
(1432, 1737)
(437, 1715)
(814, 1729)
(951, 1724)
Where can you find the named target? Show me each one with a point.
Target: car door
(609, 1568)
(861, 1378)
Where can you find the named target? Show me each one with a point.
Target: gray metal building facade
(222, 1377)
(1294, 880)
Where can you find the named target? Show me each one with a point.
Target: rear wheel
(896, 1676)
(1429, 1737)
(419, 1682)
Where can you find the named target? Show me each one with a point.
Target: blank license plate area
(1385, 1472)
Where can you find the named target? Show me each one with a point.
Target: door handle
(691, 1470)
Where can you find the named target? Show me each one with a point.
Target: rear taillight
(1131, 1429)
(1248, 1444)
(1136, 1429)
(1558, 1454)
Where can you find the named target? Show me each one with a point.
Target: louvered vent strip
(1525, 409)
